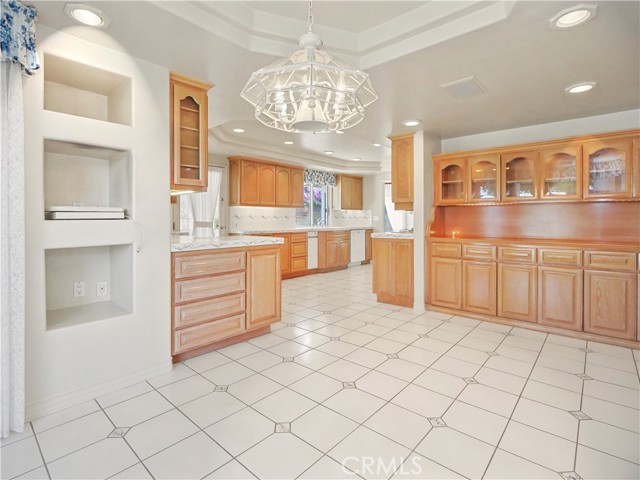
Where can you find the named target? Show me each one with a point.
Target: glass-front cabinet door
(561, 173)
(451, 176)
(484, 178)
(519, 174)
(607, 168)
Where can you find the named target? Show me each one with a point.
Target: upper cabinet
(484, 178)
(350, 188)
(519, 175)
(189, 128)
(402, 171)
(608, 168)
(450, 183)
(598, 167)
(264, 184)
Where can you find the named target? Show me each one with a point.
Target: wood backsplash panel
(596, 221)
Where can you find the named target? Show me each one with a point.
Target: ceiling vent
(463, 88)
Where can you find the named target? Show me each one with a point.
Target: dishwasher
(312, 250)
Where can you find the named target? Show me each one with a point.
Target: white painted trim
(55, 403)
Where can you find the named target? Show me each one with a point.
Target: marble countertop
(399, 235)
(183, 243)
(299, 229)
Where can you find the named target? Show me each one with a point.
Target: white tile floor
(387, 392)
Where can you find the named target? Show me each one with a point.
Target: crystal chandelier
(310, 90)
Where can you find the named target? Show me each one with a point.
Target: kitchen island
(393, 268)
(224, 290)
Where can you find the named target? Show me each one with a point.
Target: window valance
(321, 179)
(18, 35)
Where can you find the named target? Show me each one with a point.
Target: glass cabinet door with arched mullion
(561, 173)
(189, 135)
(484, 178)
(607, 169)
(452, 175)
(519, 174)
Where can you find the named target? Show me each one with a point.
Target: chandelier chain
(311, 17)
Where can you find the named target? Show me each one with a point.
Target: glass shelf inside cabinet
(607, 171)
(484, 181)
(520, 178)
(560, 176)
(452, 183)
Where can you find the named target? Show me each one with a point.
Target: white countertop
(399, 235)
(183, 243)
(299, 229)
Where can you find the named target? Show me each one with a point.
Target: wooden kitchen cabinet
(517, 292)
(479, 287)
(350, 192)
(608, 168)
(446, 282)
(368, 250)
(189, 133)
(636, 167)
(285, 254)
(560, 294)
(561, 172)
(249, 183)
(267, 187)
(393, 267)
(334, 250)
(402, 171)
(296, 187)
(450, 183)
(263, 287)
(298, 252)
(520, 176)
(610, 304)
(283, 186)
(484, 178)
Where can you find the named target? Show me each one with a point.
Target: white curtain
(205, 207)
(12, 249)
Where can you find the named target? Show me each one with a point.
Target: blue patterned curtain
(18, 35)
(316, 177)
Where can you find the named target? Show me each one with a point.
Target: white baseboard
(55, 403)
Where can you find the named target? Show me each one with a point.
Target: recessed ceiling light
(239, 130)
(357, 159)
(574, 16)
(411, 123)
(328, 152)
(339, 132)
(86, 15)
(376, 144)
(288, 142)
(580, 87)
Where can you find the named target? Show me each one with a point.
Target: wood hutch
(543, 235)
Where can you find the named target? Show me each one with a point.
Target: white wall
(373, 198)
(79, 362)
(546, 131)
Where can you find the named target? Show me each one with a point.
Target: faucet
(321, 222)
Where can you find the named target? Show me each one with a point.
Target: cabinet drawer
(198, 336)
(299, 238)
(517, 254)
(451, 250)
(194, 266)
(298, 264)
(299, 249)
(555, 256)
(479, 252)
(338, 235)
(200, 288)
(610, 260)
(208, 310)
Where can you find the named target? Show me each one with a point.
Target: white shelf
(67, 317)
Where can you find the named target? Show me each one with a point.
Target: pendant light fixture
(310, 90)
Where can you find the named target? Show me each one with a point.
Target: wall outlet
(78, 289)
(101, 289)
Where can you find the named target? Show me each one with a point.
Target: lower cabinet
(560, 297)
(263, 288)
(517, 292)
(334, 250)
(479, 287)
(393, 271)
(446, 282)
(611, 304)
(285, 256)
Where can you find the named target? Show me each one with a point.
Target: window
(395, 220)
(316, 206)
(202, 210)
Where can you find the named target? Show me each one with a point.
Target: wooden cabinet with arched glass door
(451, 181)
(519, 176)
(484, 178)
(561, 172)
(607, 168)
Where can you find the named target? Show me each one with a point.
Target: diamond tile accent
(335, 339)
(348, 384)
(392, 355)
(221, 388)
(580, 415)
(288, 359)
(119, 432)
(583, 376)
(470, 380)
(585, 350)
(283, 427)
(570, 475)
(493, 354)
(437, 422)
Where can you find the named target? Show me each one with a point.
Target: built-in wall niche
(88, 284)
(85, 91)
(86, 175)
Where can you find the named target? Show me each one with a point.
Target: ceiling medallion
(310, 90)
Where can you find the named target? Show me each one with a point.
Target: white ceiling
(408, 48)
